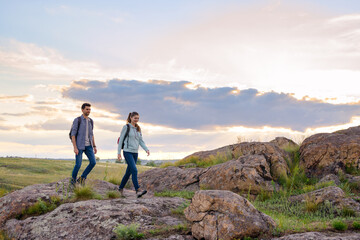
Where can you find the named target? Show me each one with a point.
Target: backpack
(126, 134)
(79, 121)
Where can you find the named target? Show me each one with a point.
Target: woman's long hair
(132, 114)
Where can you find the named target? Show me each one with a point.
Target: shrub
(170, 193)
(112, 194)
(339, 225)
(356, 225)
(124, 232)
(151, 164)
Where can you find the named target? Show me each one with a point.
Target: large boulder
(326, 153)
(321, 236)
(334, 195)
(284, 143)
(15, 202)
(96, 219)
(250, 172)
(275, 156)
(217, 214)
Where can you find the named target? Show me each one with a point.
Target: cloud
(173, 104)
(51, 124)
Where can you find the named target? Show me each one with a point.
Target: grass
(164, 230)
(170, 193)
(211, 160)
(17, 173)
(40, 207)
(180, 210)
(3, 235)
(112, 194)
(356, 225)
(126, 232)
(85, 193)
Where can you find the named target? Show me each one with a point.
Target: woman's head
(134, 118)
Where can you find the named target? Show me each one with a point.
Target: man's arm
(94, 145)
(73, 140)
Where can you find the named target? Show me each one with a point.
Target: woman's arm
(121, 139)
(142, 143)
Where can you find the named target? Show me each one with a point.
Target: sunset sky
(202, 74)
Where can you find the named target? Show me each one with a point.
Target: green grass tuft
(347, 212)
(339, 225)
(85, 193)
(40, 207)
(356, 225)
(170, 193)
(112, 194)
(180, 210)
(127, 232)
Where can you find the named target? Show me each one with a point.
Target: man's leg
(78, 161)
(92, 162)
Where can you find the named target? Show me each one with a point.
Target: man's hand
(119, 157)
(95, 150)
(148, 152)
(76, 150)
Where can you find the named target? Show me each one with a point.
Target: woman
(131, 142)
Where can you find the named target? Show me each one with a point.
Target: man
(83, 140)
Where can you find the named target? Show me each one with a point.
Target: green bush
(40, 207)
(151, 164)
(170, 193)
(356, 225)
(339, 225)
(128, 232)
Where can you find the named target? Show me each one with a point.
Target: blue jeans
(89, 152)
(131, 159)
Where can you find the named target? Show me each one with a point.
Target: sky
(201, 74)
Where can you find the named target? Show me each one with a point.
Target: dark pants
(89, 152)
(131, 159)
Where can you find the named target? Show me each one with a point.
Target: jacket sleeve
(74, 127)
(122, 135)
(142, 143)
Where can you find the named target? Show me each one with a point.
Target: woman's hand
(148, 152)
(119, 157)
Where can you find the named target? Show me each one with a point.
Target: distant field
(16, 173)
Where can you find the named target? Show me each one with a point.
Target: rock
(175, 237)
(326, 153)
(334, 195)
(275, 156)
(321, 236)
(217, 214)
(330, 177)
(284, 143)
(250, 172)
(95, 219)
(15, 202)
(171, 178)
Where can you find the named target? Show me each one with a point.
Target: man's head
(86, 109)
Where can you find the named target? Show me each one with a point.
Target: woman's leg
(131, 162)
(125, 178)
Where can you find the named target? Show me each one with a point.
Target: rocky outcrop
(15, 202)
(284, 143)
(321, 236)
(335, 196)
(96, 219)
(225, 215)
(326, 153)
(171, 178)
(250, 172)
(275, 156)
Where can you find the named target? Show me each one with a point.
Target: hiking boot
(140, 192)
(121, 191)
(81, 180)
